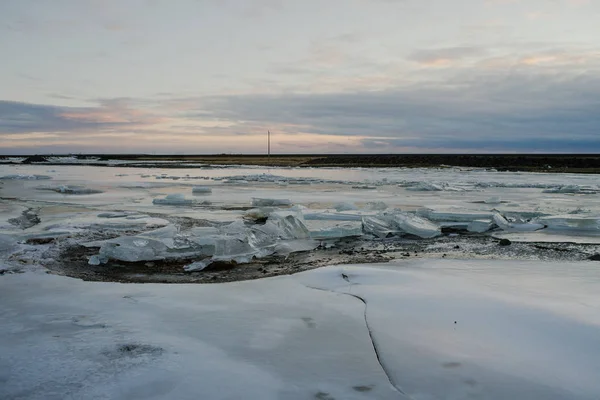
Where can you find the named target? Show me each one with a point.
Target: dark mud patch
(133, 350)
(72, 259)
(27, 219)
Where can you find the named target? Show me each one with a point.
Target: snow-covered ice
(441, 329)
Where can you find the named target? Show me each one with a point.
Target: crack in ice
(371, 337)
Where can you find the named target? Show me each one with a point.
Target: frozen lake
(409, 329)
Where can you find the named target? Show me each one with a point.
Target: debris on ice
(259, 214)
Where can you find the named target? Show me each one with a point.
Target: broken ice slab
(198, 265)
(175, 199)
(573, 189)
(25, 177)
(133, 249)
(201, 190)
(260, 202)
(338, 216)
(71, 189)
(431, 187)
(480, 226)
(506, 225)
(334, 229)
(378, 227)
(425, 187)
(574, 222)
(295, 246)
(7, 243)
(288, 225)
(455, 215)
(416, 225)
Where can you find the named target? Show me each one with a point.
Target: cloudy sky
(325, 76)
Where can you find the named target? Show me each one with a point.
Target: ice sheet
(442, 329)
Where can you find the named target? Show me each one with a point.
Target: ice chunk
(258, 202)
(330, 216)
(71, 189)
(234, 249)
(416, 225)
(201, 190)
(480, 226)
(288, 224)
(334, 229)
(7, 243)
(571, 189)
(133, 249)
(575, 222)
(293, 246)
(175, 199)
(378, 227)
(504, 224)
(198, 265)
(455, 215)
(97, 260)
(338, 231)
(425, 187)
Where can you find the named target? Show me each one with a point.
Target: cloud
(538, 104)
(519, 111)
(16, 117)
(447, 55)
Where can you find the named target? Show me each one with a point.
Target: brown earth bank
(575, 163)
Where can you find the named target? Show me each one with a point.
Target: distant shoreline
(561, 163)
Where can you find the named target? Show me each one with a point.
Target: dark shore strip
(580, 163)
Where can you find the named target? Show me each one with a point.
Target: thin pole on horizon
(269, 144)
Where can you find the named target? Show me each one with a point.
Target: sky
(324, 76)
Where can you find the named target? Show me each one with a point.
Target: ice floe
(174, 199)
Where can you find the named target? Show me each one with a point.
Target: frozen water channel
(424, 328)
